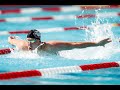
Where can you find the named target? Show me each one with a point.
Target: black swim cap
(34, 34)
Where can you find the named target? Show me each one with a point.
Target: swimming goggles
(32, 41)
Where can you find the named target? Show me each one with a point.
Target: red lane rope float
(19, 32)
(56, 9)
(59, 17)
(6, 51)
(88, 7)
(57, 70)
(57, 29)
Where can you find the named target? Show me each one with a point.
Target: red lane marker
(71, 28)
(55, 9)
(118, 24)
(10, 11)
(2, 20)
(98, 7)
(86, 16)
(19, 32)
(118, 14)
(5, 51)
(42, 18)
(98, 66)
(12, 75)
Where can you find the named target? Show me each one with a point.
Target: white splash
(24, 55)
(89, 53)
(96, 34)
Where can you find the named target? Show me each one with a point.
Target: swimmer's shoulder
(53, 42)
(45, 46)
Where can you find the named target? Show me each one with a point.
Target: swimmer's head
(34, 34)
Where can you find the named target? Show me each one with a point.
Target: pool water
(18, 61)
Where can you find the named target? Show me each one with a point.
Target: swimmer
(33, 42)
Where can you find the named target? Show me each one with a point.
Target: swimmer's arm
(71, 45)
(14, 41)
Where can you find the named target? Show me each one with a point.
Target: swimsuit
(40, 46)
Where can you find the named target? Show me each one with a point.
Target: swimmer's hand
(10, 38)
(104, 41)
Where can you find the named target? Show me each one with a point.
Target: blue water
(23, 61)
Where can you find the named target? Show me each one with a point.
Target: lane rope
(57, 9)
(56, 29)
(59, 17)
(57, 70)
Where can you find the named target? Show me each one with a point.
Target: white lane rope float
(56, 29)
(59, 17)
(56, 9)
(57, 70)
